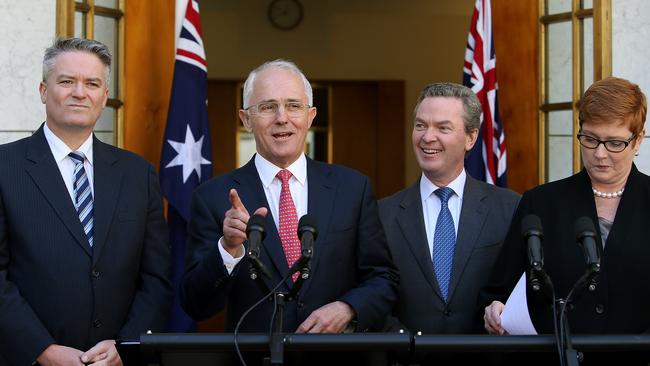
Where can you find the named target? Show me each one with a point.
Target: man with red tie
(353, 281)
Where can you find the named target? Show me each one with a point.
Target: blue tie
(83, 197)
(444, 241)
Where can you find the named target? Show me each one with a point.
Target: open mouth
(282, 135)
(430, 151)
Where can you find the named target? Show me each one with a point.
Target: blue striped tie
(83, 197)
(444, 242)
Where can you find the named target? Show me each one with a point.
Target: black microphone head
(307, 223)
(531, 225)
(584, 227)
(256, 223)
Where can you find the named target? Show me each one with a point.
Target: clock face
(285, 14)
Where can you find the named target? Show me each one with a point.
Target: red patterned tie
(288, 222)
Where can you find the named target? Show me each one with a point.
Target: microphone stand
(276, 342)
(571, 356)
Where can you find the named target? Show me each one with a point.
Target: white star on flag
(189, 155)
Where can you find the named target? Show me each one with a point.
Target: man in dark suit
(445, 231)
(353, 277)
(84, 255)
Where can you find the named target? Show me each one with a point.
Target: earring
(636, 153)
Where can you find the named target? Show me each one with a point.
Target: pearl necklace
(598, 193)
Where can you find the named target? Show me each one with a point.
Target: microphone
(586, 237)
(255, 233)
(307, 233)
(531, 229)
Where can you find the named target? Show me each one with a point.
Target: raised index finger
(235, 201)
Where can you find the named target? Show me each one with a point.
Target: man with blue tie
(353, 280)
(84, 256)
(446, 230)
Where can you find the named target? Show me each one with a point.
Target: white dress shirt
(65, 163)
(267, 172)
(431, 204)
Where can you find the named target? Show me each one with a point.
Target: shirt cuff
(228, 260)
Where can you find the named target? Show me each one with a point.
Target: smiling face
(609, 171)
(439, 138)
(74, 93)
(280, 139)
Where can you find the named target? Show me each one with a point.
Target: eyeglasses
(614, 146)
(270, 109)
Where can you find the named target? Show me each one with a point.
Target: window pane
(559, 63)
(106, 137)
(587, 4)
(560, 123)
(560, 157)
(106, 121)
(310, 144)
(643, 160)
(558, 6)
(106, 32)
(106, 3)
(587, 53)
(246, 147)
(79, 24)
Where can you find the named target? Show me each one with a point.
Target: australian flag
(185, 160)
(487, 160)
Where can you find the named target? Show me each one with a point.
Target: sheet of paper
(515, 318)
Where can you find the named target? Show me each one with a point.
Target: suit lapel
(321, 195)
(411, 223)
(108, 185)
(472, 218)
(47, 176)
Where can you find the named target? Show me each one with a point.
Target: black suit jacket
(53, 287)
(485, 215)
(620, 302)
(351, 259)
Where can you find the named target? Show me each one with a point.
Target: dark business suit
(622, 296)
(53, 287)
(484, 218)
(351, 259)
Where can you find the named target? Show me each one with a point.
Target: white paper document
(515, 318)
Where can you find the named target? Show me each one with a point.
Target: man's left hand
(330, 318)
(103, 353)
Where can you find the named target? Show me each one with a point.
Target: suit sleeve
(510, 264)
(374, 296)
(206, 282)
(22, 335)
(150, 307)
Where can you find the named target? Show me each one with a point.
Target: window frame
(602, 67)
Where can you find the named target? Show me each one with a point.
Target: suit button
(600, 309)
(95, 273)
(301, 304)
(447, 312)
(97, 323)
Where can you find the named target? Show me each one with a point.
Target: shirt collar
(268, 170)
(458, 185)
(60, 150)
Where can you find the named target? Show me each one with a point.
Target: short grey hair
(63, 45)
(471, 105)
(281, 64)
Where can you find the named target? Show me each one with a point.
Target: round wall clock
(285, 14)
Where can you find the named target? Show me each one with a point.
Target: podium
(170, 349)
